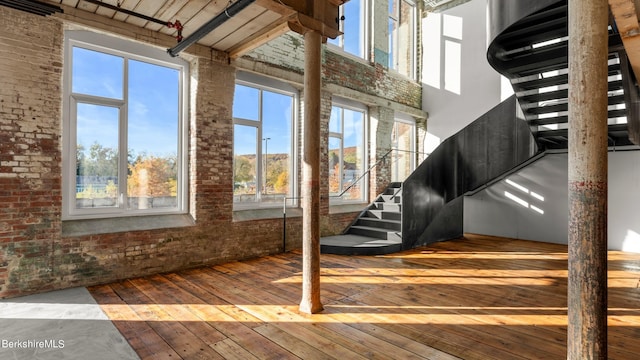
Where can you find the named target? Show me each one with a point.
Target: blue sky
(153, 105)
(276, 118)
(351, 28)
(153, 102)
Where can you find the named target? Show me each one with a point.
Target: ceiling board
(168, 13)
(126, 4)
(233, 24)
(247, 30)
(256, 24)
(144, 7)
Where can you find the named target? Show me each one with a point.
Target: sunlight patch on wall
(506, 89)
(522, 202)
(432, 35)
(452, 27)
(452, 35)
(453, 63)
(431, 142)
(631, 242)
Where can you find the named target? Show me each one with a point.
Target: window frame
(346, 104)
(277, 87)
(129, 50)
(401, 118)
(363, 32)
(393, 57)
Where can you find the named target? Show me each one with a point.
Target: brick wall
(35, 256)
(371, 80)
(30, 158)
(287, 52)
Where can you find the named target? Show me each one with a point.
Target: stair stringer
(492, 145)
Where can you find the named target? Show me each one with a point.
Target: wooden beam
(260, 38)
(625, 13)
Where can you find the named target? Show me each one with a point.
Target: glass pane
(392, 44)
(335, 165)
(335, 121)
(335, 41)
(96, 73)
(96, 156)
(153, 117)
(276, 151)
(353, 28)
(244, 163)
(353, 153)
(402, 165)
(392, 7)
(405, 47)
(246, 103)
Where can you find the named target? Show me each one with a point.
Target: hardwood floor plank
(174, 332)
(142, 338)
(298, 347)
(229, 349)
(478, 297)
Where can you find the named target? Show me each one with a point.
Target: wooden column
(311, 175)
(587, 286)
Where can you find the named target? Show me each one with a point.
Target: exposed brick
(35, 257)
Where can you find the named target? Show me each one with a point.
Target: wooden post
(310, 302)
(587, 286)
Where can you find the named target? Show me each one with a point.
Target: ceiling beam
(625, 13)
(260, 38)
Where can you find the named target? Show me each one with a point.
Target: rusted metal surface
(587, 282)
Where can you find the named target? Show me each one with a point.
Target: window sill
(260, 214)
(341, 52)
(132, 223)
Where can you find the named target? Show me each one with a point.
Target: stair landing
(350, 244)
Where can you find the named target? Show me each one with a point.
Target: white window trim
(278, 87)
(406, 119)
(356, 106)
(131, 50)
(414, 47)
(364, 32)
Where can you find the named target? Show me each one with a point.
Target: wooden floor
(474, 298)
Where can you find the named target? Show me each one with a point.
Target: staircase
(532, 51)
(529, 46)
(376, 231)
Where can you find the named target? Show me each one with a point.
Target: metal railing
(381, 160)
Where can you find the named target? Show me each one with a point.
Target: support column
(587, 283)
(310, 302)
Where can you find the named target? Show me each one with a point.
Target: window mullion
(123, 157)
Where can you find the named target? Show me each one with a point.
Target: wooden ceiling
(259, 22)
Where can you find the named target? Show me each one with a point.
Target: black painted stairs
(376, 231)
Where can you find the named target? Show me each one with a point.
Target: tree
(282, 183)
(243, 169)
(152, 176)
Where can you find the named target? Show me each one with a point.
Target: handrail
(373, 166)
(364, 173)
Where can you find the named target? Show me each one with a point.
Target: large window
(353, 25)
(263, 115)
(347, 152)
(402, 36)
(124, 133)
(403, 145)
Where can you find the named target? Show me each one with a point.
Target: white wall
(458, 83)
(624, 201)
(492, 212)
